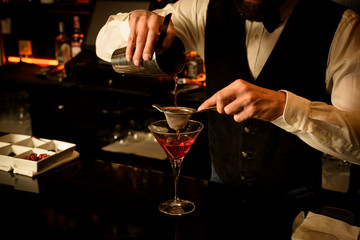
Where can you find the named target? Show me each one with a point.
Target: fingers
(146, 43)
(231, 100)
(221, 101)
(208, 103)
(144, 32)
(243, 114)
(130, 44)
(149, 47)
(140, 44)
(226, 100)
(244, 100)
(234, 107)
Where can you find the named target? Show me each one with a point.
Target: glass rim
(181, 133)
(185, 110)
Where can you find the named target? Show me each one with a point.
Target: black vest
(255, 153)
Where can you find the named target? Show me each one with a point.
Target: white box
(7, 154)
(15, 147)
(12, 138)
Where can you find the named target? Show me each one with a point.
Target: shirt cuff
(296, 114)
(113, 35)
(120, 22)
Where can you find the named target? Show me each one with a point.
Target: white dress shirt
(333, 129)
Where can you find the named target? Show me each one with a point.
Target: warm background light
(37, 61)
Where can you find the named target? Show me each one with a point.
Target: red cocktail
(176, 144)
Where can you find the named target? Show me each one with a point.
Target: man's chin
(254, 1)
(252, 10)
(255, 10)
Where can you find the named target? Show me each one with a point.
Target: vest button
(244, 154)
(247, 130)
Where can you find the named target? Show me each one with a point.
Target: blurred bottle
(194, 71)
(76, 38)
(2, 48)
(62, 46)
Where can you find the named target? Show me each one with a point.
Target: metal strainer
(178, 117)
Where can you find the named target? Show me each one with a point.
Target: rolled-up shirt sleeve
(189, 18)
(322, 126)
(333, 129)
(113, 35)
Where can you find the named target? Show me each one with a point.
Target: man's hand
(244, 100)
(145, 29)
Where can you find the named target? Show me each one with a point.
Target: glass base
(177, 207)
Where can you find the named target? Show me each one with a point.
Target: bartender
(284, 75)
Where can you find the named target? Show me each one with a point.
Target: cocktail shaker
(168, 62)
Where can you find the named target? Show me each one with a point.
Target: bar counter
(95, 199)
(116, 196)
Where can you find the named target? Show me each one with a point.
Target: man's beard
(257, 11)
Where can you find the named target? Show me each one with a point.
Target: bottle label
(64, 53)
(75, 48)
(192, 68)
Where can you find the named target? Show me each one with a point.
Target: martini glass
(176, 144)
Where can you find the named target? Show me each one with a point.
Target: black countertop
(94, 199)
(109, 199)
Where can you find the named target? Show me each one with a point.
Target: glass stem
(176, 166)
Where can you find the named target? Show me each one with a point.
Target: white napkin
(319, 227)
(140, 144)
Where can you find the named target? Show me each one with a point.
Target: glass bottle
(62, 46)
(76, 38)
(194, 70)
